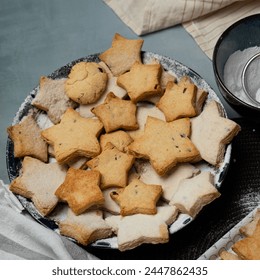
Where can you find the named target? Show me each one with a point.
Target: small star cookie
(39, 182)
(119, 139)
(52, 98)
(248, 248)
(85, 110)
(142, 81)
(74, 136)
(81, 190)
(211, 133)
(113, 166)
(178, 101)
(165, 144)
(203, 192)
(137, 198)
(116, 113)
(170, 181)
(22, 135)
(122, 54)
(85, 228)
(134, 230)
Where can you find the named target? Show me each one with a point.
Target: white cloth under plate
(21, 237)
(205, 20)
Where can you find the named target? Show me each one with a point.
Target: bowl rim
(217, 45)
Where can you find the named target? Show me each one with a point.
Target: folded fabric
(207, 29)
(21, 237)
(205, 20)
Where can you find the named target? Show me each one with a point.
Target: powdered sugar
(233, 73)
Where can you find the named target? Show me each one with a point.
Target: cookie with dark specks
(27, 139)
(137, 198)
(86, 82)
(165, 144)
(122, 54)
(74, 136)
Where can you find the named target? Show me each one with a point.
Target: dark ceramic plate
(176, 68)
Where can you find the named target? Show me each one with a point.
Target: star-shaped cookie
(116, 113)
(113, 166)
(142, 81)
(178, 101)
(81, 190)
(211, 133)
(85, 228)
(248, 248)
(137, 198)
(22, 135)
(85, 110)
(39, 182)
(165, 144)
(134, 230)
(52, 98)
(203, 192)
(122, 54)
(74, 136)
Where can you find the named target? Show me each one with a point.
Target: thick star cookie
(52, 98)
(170, 181)
(248, 248)
(27, 139)
(178, 101)
(116, 113)
(165, 144)
(81, 190)
(203, 192)
(211, 133)
(134, 230)
(85, 228)
(85, 110)
(39, 182)
(74, 136)
(120, 139)
(86, 82)
(137, 198)
(113, 166)
(142, 81)
(122, 54)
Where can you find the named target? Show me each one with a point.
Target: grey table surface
(37, 37)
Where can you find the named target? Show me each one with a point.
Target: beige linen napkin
(21, 237)
(205, 20)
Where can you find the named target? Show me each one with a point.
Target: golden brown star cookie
(113, 166)
(122, 54)
(85, 110)
(142, 81)
(211, 133)
(27, 139)
(137, 198)
(165, 144)
(116, 113)
(74, 136)
(86, 82)
(119, 139)
(52, 98)
(85, 228)
(38, 182)
(201, 95)
(81, 190)
(178, 101)
(248, 248)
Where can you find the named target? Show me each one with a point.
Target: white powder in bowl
(233, 73)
